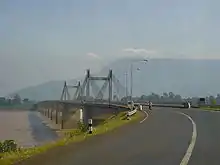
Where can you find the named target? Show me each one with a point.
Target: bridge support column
(56, 111)
(87, 114)
(62, 124)
(45, 112)
(51, 114)
(64, 110)
(81, 115)
(48, 113)
(62, 120)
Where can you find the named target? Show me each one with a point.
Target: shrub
(8, 146)
(82, 127)
(72, 133)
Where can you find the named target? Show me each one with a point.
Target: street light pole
(131, 71)
(126, 85)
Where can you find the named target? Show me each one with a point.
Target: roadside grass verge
(211, 108)
(71, 136)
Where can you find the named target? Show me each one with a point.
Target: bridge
(95, 96)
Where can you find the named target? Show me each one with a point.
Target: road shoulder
(74, 147)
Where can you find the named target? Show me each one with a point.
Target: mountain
(187, 77)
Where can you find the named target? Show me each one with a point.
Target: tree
(143, 97)
(218, 99)
(171, 95)
(115, 97)
(178, 98)
(17, 99)
(165, 95)
(212, 100)
(25, 100)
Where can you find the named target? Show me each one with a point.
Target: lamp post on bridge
(131, 72)
(126, 85)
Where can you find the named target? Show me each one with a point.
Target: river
(27, 128)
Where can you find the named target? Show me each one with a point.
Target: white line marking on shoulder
(189, 151)
(145, 117)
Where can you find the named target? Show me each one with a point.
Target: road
(162, 139)
(207, 146)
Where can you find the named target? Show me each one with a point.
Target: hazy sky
(43, 40)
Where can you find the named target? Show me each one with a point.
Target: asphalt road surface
(166, 137)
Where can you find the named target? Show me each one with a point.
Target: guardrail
(168, 105)
(130, 113)
(164, 105)
(118, 104)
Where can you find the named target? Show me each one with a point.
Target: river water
(25, 127)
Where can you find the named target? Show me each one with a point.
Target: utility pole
(131, 89)
(131, 71)
(126, 85)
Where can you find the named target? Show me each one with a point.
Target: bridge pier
(51, 114)
(62, 120)
(48, 113)
(62, 115)
(87, 114)
(67, 115)
(56, 114)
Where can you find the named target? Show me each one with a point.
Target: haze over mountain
(181, 76)
(49, 40)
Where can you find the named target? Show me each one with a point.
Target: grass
(72, 136)
(211, 108)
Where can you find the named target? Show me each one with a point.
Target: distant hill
(180, 76)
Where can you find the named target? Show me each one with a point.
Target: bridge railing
(119, 104)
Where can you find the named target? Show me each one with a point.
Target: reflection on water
(40, 132)
(25, 127)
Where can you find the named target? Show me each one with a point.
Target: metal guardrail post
(130, 113)
(90, 126)
(128, 117)
(140, 107)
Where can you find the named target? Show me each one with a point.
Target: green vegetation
(216, 108)
(24, 106)
(15, 102)
(8, 146)
(71, 136)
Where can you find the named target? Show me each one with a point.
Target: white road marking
(189, 151)
(145, 117)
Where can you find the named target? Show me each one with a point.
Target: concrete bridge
(87, 102)
(67, 114)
